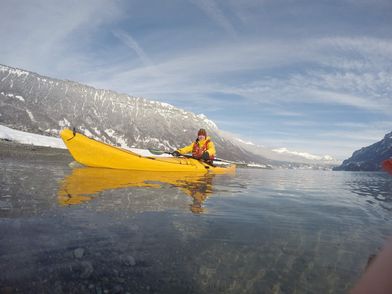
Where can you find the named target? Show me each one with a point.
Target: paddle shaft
(157, 152)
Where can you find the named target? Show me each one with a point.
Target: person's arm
(186, 149)
(377, 279)
(211, 149)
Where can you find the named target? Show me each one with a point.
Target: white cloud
(211, 9)
(38, 34)
(330, 97)
(193, 72)
(365, 136)
(127, 39)
(265, 71)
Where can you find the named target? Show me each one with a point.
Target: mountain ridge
(369, 158)
(43, 105)
(34, 103)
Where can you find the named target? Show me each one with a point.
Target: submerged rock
(129, 260)
(79, 252)
(88, 269)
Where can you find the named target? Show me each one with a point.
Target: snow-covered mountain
(284, 155)
(42, 105)
(369, 158)
(36, 104)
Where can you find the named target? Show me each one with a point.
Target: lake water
(66, 230)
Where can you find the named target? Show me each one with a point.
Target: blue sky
(311, 76)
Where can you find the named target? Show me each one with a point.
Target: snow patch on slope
(210, 123)
(64, 123)
(28, 138)
(14, 71)
(31, 115)
(46, 141)
(20, 98)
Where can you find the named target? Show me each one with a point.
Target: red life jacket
(198, 151)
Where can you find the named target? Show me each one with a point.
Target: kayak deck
(93, 153)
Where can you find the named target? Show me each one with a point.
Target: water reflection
(272, 231)
(83, 184)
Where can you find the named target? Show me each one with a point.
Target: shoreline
(19, 151)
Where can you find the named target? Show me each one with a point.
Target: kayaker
(203, 148)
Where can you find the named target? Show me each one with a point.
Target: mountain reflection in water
(83, 184)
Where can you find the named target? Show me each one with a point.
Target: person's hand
(205, 156)
(176, 153)
(377, 277)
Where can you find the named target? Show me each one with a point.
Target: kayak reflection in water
(203, 148)
(199, 191)
(83, 183)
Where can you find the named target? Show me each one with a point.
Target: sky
(310, 76)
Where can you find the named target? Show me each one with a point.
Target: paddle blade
(158, 152)
(387, 166)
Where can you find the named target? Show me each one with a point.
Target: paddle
(207, 165)
(159, 152)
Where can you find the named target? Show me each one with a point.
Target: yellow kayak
(93, 153)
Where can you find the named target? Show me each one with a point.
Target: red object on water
(387, 165)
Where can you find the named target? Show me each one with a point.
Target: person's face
(201, 137)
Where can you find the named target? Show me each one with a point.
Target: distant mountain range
(42, 105)
(369, 158)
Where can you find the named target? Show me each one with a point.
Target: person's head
(201, 134)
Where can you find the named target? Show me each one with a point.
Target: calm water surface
(90, 230)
